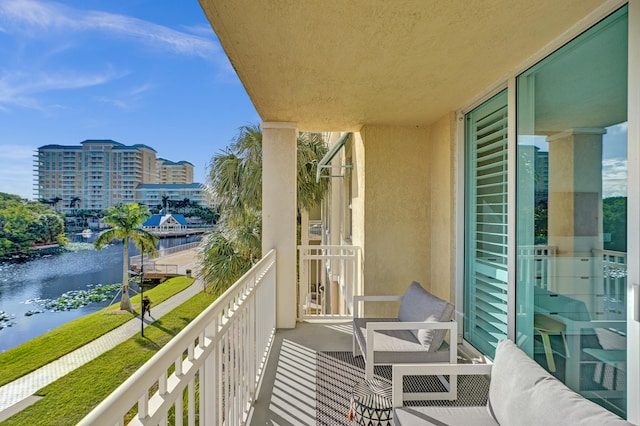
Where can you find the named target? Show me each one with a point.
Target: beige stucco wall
(396, 247)
(403, 218)
(441, 205)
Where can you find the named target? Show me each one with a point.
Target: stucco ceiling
(336, 65)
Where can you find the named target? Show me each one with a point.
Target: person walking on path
(146, 306)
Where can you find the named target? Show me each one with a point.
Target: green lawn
(48, 347)
(69, 399)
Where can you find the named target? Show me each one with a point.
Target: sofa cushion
(395, 346)
(513, 378)
(523, 393)
(554, 402)
(420, 305)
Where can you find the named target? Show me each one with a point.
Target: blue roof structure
(157, 220)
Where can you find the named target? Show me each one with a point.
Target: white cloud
(614, 178)
(19, 88)
(203, 30)
(16, 152)
(63, 28)
(33, 83)
(141, 89)
(118, 103)
(34, 16)
(621, 128)
(128, 99)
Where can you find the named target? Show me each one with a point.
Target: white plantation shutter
(486, 225)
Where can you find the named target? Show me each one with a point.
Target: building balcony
(232, 366)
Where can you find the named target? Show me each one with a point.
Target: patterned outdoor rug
(338, 372)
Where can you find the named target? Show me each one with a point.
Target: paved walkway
(18, 394)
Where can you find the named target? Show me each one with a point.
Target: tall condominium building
(174, 173)
(96, 175)
(536, 160)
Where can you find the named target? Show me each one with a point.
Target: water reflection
(51, 276)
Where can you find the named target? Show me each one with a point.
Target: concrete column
(279, 212)
(575, 212)
(575, 191)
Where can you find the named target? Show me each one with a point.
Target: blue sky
(135, 71)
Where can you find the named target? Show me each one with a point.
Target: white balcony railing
(536, 263)
(607, 284)
(613, 265)
(208, 373)
(329, 278)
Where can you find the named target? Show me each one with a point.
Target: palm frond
(235, 182)
(221, 264)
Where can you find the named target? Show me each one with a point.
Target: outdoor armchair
(416, 335)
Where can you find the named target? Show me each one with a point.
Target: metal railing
(209, 372)
(329, 277)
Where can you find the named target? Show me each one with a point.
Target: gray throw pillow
(419, 305)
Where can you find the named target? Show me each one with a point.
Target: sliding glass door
(572, 212)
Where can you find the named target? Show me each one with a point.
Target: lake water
(51, 276)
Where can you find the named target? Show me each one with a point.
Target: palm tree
(126, 221)
(55, 200)
(75, 201)
(165, 203)
(185, 203)
(45, 201)
(235, 180)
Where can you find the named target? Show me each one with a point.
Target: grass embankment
(41, 350)
(69, 399)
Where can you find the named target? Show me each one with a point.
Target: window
(571, 212)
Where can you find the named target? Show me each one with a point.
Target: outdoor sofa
(521, 393)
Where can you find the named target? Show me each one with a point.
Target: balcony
(220, 357)
(231, 366)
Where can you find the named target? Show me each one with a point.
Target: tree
(614, 214)
(165, 203)
(54, 201)
(126, 224)
(207, 214)
(185, 204)
(46, 201)
(25, 224)
(75, 201)
(235, 181)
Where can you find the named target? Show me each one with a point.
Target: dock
(169, 263)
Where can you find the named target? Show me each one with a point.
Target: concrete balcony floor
(311, 372)
(287, 395)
